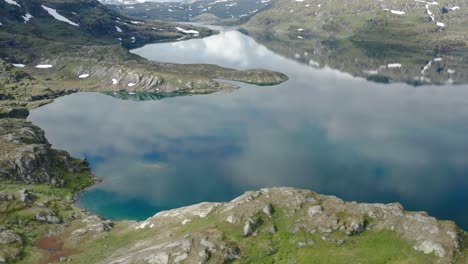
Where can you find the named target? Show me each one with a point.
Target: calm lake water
(322, 130)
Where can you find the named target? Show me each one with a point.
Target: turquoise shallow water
(322, 130)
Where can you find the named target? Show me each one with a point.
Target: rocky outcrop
(10, 243)
(28, 158)
(310, 218)
(25, 197)
(93, 225)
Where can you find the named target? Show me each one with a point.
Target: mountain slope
(81, 22)
(413, 41)
(56, 44)
(433, 25)
(229, 11)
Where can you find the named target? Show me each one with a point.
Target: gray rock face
(27, 156)
(268, 209)
(249, 227)
(48, 217)
(94, 225)
(231, 253)
(10, 242)
(273, 229)
(316, 209)
(9, 237)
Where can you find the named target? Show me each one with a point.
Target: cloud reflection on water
(322, 130)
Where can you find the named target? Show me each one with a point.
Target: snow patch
(431, 15)
(440, 24)
(314, 63)
(59, 17)
(371, 72)
(18, 65)
(118, 29)
(396, 12)
(27, 17)
(44, 66)
(394, 65)
(83, 76)
(185, 31)
(12, 2)
(428, 65)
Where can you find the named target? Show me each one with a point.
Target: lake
(323, 130)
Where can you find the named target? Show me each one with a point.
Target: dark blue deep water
(322, 130)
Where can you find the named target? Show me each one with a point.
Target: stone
(210, 245)
(356, 227)
(428, 247)
(204, 255)
(6, 197)
(232, 219)
(180, 258)
(325, 230)
(273, 229)
(9, 237)
(48, 217)
(272, 251)
(314, 210)
(268, 209)
(249, 228)
(306, 243)
(25, 196)
(231, 253)
(158, 258)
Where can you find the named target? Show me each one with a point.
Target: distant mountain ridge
(222, 12)
(132, 2)
(76, 22)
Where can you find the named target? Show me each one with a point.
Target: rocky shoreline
(267, 220)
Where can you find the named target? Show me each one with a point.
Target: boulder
(25, 197)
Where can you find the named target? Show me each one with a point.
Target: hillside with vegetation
(52, 48)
